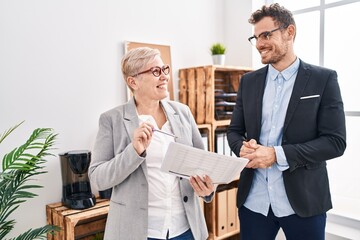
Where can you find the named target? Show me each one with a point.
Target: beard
(276, 56)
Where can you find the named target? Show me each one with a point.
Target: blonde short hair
(136, 59)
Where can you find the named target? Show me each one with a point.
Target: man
(288, 121)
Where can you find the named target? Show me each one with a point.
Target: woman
(147, 203)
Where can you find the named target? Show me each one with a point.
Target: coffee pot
(76, 184)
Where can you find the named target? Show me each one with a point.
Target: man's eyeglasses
(156, 71)
(262, 36)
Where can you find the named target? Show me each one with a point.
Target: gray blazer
(115, 164)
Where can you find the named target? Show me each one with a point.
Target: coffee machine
(76, 184)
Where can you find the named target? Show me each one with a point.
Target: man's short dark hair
(281, 16)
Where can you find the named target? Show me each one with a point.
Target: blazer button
(185, 199)
(180, 178)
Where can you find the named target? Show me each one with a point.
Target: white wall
(237, 30)
(59, 66)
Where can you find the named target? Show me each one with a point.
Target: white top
(166, 209)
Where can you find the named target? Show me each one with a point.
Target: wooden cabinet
(210, 92)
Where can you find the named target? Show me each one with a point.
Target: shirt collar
(287, 73)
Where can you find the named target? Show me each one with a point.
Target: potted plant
(218, 53)
(18, 167)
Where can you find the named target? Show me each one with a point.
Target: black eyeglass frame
(165, 69)
(264, 35)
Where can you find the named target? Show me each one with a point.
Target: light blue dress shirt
(268, 184)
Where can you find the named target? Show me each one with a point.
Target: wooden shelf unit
(77, 224)
(201, 89)
(221, 214)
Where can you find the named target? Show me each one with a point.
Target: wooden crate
(198, 86)
(77, 224)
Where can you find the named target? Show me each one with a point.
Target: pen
(169, 134)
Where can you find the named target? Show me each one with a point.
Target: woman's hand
(202, 186)
(142, 137)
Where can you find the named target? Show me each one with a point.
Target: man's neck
(285, 62)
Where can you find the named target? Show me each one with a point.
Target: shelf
(201, 88)
(221, 215)
(224, 68)
(227, 235)
(77, 224)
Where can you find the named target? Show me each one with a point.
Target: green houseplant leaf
(217, 48)
(18, 167)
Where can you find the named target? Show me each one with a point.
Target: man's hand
(259, 156)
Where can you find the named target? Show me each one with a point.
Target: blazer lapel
(174, 120)
(260, 79)
(301, 81)
(131, 122)
(131, 119)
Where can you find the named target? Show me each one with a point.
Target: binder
(221, 213)
(205, 139)
(237, 222)
(221, 144)
(232, 210)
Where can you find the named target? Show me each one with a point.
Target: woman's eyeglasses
(156, 71)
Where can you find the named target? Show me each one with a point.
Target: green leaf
(6, 227)
(19, 166)
(7, 133)
(217, 48)
(38, 233)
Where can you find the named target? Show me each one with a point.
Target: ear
(131, 82)
(291, 30)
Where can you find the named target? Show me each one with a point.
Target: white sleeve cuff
(281, 161)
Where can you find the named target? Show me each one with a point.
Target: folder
(222, 145)
(237, 222)
(205, 139)
(221, 213)
(232, 209)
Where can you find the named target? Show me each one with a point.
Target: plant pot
(218, 59)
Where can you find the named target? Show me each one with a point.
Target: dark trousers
(255, 226)
(184, 236)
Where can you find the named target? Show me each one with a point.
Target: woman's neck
(147, 107)
(152, 108)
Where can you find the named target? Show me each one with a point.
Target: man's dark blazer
(314, 131)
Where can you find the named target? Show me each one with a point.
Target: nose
(164, 77)
(260, 43)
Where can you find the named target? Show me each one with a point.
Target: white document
(186, 161)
